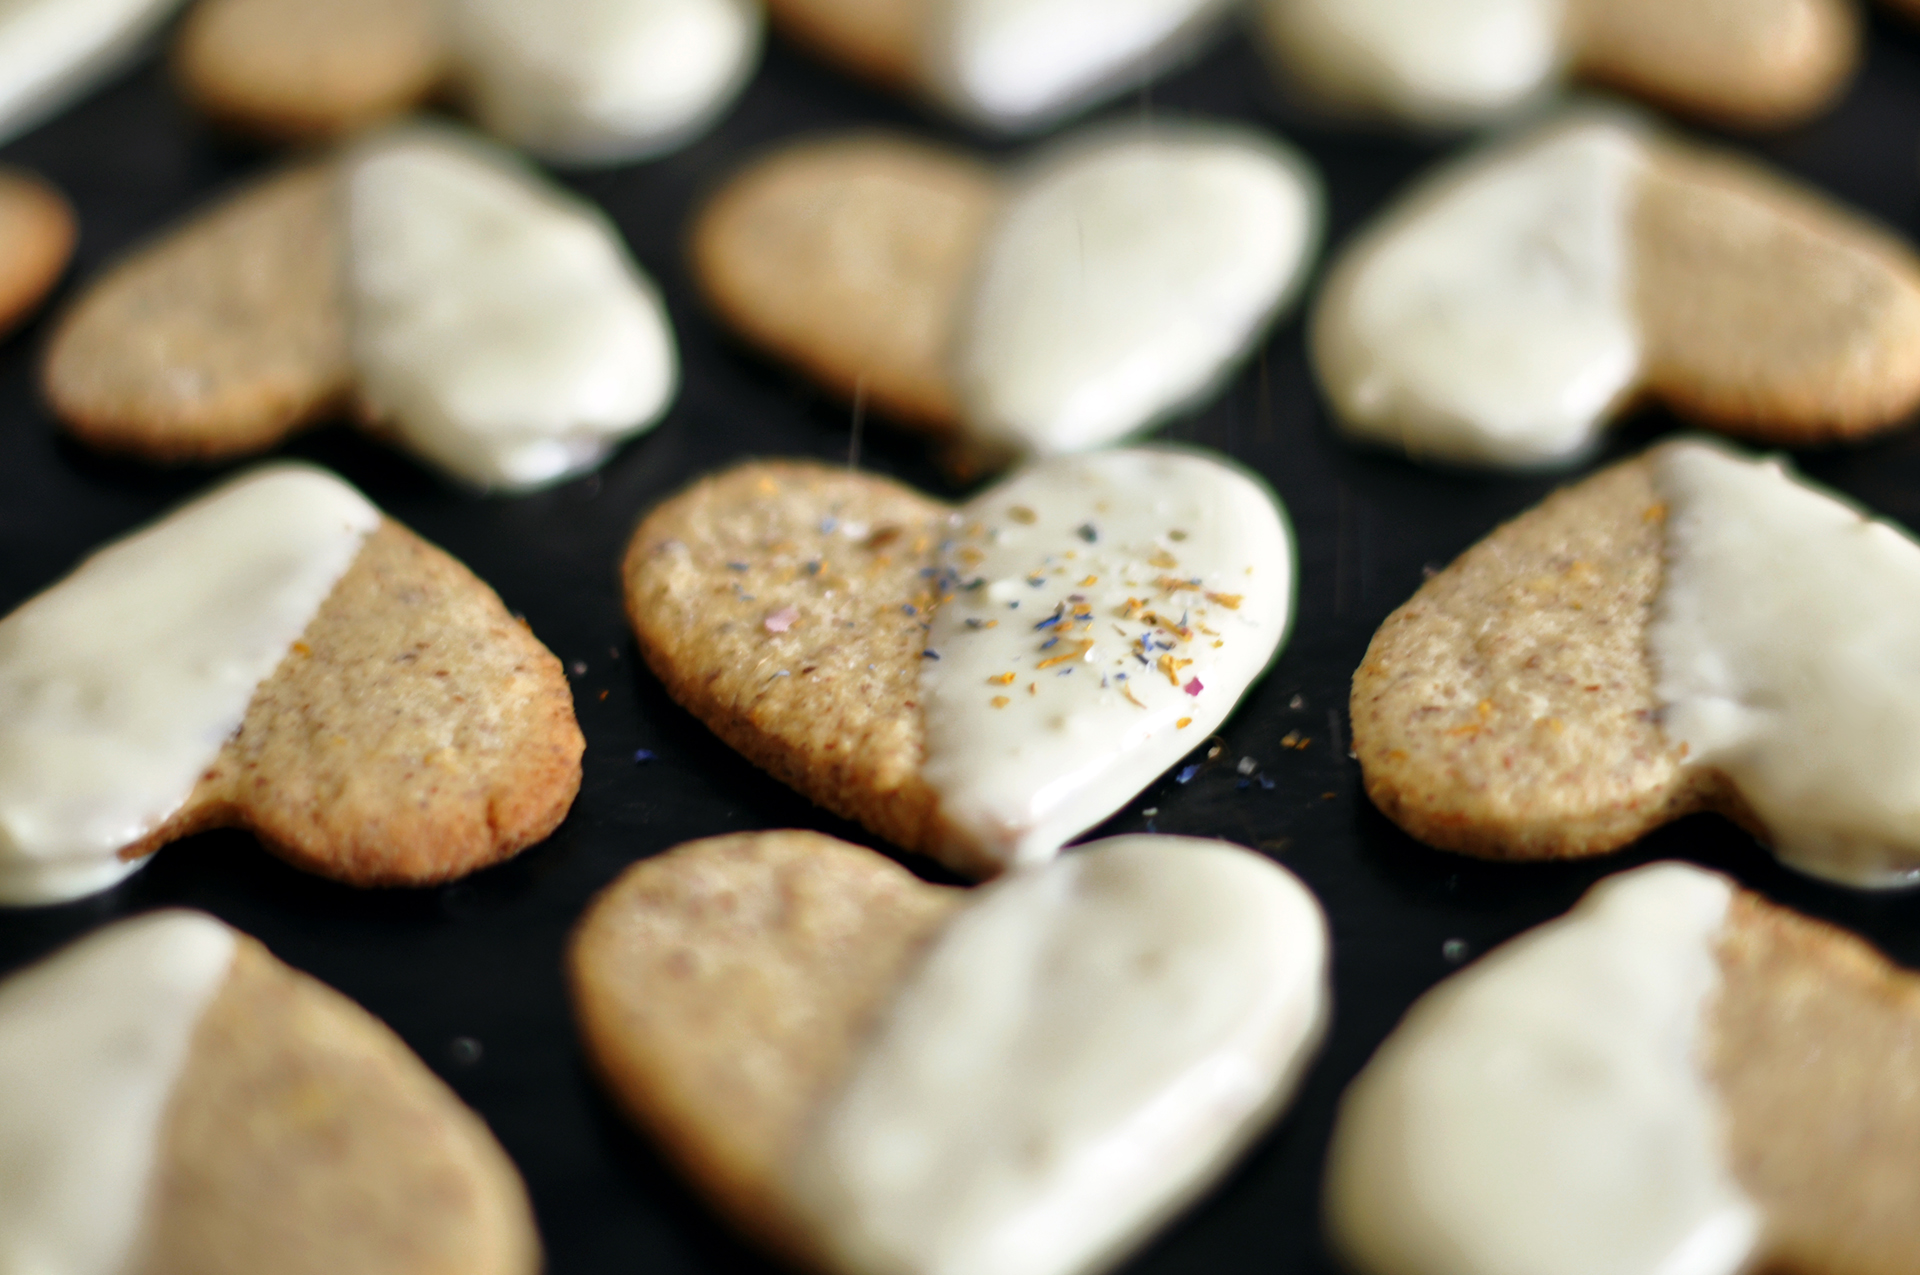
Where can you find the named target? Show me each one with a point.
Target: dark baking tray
(479, 962)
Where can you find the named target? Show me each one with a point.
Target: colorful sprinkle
(1194, 687)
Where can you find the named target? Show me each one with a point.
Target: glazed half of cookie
(1689, 630)
(1507, 308)
(490, 323)
(1446, 63)
(980, 684)
(1675, 1076)
(175, 1101)
(870, 1074)
(1112, 280)
(276, 656)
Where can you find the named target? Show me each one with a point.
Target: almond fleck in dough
(790, 1014)
(1114, 280)
(275, 656)
(1511, 305)
(1451, 63)
(1010, 66)
(178, 1102)
(1676, 1076)
(1126, 600)
(1689, 630)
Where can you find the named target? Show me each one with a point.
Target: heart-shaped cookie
(1688, 630)
(493, 324)
(1007, 65)
(1676, 1076)
(979, 684)
(1457, 62)
(1510, 306)
(1114, 280)
(276, 656)
(175, 1101)
(574, 81)
(872, 1074)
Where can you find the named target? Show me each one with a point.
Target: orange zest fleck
(1183, 723)
(1004, 679)
(1001, 701)
(1231, 601)
(1080, 650)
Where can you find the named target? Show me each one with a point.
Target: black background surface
(480, 960)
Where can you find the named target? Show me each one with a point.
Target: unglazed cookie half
(175, 1101)
(1458, 62)
(979, 684)
(1689, 630)
(1515, 302)
(279, 657)
(870, 1074)
(492, 324)
(1114, 280)
(1676, 1076)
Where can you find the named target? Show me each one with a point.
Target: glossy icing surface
(1108, 612)
(120, 684)
(603, 81)
(498, 323)
(1017, 64)
(92, 1042)
(1544, 1112)
(1787, 645)
(53, 51)
(1084, 1047)
(1427, 61)
(1490, 319)
(1124, 278)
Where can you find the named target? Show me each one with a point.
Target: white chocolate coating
(1437, 62)
(55, 51)
(1785, 639)
(497, 322)
(120, 684)
(1065, 676)
(1124, 279)
(1544, 1113)
(92, 1042)
(603, 81)
(1018, 65)
(1490, 319)
(1082, 1050)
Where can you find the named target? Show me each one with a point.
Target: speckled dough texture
(850, 258)
(878, 39)
(829, 704)
(306, 69)
(1770, 311)
(219, 339)
(417, 732)
(1508, 709)
(721, 989)
(37, 233)
(1755, 63)
(304, 1138)
(1811, 1048)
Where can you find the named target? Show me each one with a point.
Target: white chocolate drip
(1786, 641)
(603, 81)
(1083, 1049)
(1021, 64)
(92, 1044)
(1125, 601)
(1443, 62)
(120, 684)
(54, 51)
(1124, 279)
(1544, 1112)
(1491, 320)
(498, 322)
